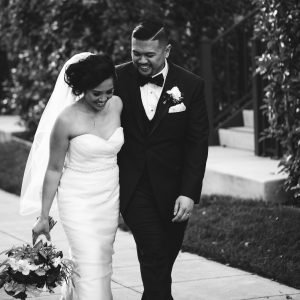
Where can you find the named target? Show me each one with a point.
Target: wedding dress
(87, 195)
(88, 205)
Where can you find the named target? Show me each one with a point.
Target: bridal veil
(32, 185)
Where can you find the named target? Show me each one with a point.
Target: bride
(74, 158)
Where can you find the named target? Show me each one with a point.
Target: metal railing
(227, 66)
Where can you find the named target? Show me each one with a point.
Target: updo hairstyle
(88, 73)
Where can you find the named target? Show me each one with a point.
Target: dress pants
(158, 241)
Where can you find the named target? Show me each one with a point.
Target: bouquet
(30, 270)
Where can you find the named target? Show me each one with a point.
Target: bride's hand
(41, 226)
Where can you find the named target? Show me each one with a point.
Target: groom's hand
(182, 209)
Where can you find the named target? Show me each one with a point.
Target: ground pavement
(194, 277)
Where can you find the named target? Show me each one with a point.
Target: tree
(278, 27)
(39, 36)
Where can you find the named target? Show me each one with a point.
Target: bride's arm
(59, 143)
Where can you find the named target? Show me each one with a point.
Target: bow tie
(157, 80)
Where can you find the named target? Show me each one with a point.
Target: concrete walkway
(194, 277)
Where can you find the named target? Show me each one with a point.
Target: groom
(162, 162)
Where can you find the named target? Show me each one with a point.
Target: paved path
(194, 277)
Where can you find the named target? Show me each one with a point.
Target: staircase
(239, 137)
(234, 170)
(237, 164)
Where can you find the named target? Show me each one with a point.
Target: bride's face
(97, 97)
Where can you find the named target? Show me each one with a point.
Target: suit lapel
(162, 108)
(137, 105)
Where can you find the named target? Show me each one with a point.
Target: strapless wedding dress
(88, 204)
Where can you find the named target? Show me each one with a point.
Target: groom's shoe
(145, 298)
(156, 297)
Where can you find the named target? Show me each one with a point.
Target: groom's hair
(151, 30)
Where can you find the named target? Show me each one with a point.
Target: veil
(62, 96)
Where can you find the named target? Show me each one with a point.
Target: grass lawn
(13, 157)
(253, 236)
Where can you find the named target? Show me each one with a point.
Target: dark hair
(89, 72)
(151, 30)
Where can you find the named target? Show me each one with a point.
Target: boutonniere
(174, 96)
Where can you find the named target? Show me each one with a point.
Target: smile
(144, 68)
(100, 102)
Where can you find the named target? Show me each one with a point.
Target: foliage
(255, 236)
(30, 270)
(6, 106)
(39, 36)
(278, 27)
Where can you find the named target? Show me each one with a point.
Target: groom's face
(149, 56)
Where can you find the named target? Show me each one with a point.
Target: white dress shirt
(150, 94)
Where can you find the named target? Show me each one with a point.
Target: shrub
(6, 106)
(39, 36)
(278, 27)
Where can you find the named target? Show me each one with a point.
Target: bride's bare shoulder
(117, 103)
(68, 115)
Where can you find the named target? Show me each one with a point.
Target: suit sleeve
(117, 83)
(196, 146)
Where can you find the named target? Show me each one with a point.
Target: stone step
(9, 125)
(237, 137)
(241, 174)
(248, 118)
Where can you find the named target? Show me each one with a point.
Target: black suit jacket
(175, 150)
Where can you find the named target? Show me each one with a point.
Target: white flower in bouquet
(25, 267)
(13, 263)
(22, 265)
(56, 262)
